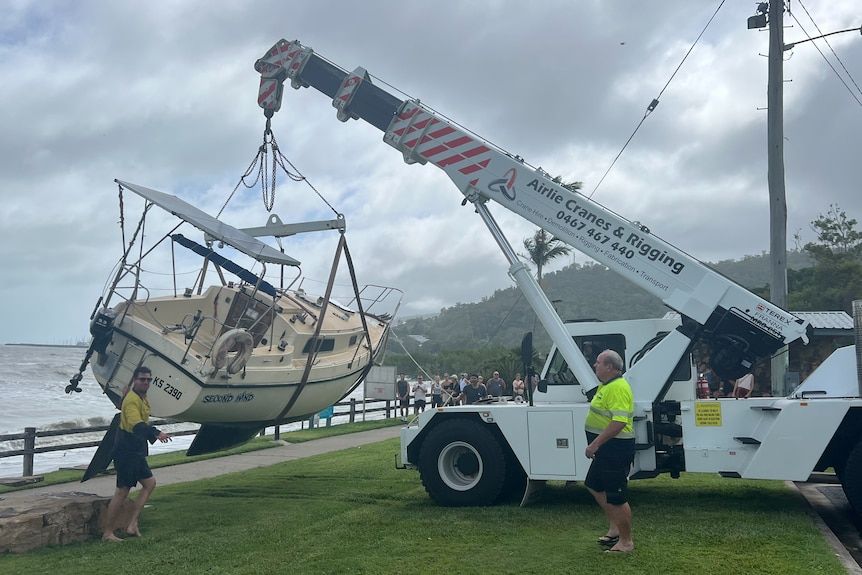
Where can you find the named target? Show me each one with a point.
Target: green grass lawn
(353, 512)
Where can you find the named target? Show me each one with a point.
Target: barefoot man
(130, 454)
(611, 446)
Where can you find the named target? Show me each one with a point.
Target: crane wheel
(851, 478)
(462, 464)
(516, 480)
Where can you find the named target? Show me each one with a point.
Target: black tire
(516, 480)
(851, 478)
(462, 464)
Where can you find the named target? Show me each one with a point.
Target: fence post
(388, 402)
(29, 447)
(277, 432)
(352, 417)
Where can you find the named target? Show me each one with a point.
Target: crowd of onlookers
(462, 388)
(710, 385)
(453, 389)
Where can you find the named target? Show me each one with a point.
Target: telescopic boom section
(738, 325)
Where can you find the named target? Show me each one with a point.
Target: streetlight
(772, 13)
(793, 44)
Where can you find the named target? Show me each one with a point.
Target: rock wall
(53, 519)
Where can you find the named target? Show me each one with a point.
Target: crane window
(591, 346)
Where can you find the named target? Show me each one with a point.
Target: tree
(571, 186)
(836, 278)
(543, 247)
(837, 237)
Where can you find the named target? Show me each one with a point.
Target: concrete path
(835, 519)
(104, 485)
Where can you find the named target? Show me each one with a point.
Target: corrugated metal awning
(837, 322)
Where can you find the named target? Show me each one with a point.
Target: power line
(837, 74)
(652, 105)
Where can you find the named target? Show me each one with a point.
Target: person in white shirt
(436, 392)
(744, 386)
(420, 392)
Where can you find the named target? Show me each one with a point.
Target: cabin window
(352, 341)
(250, 314)
(591, 346)
(324, 344)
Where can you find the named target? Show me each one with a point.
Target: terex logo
(760, 307)
(505, 185)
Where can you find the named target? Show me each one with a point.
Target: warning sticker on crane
(707, 413)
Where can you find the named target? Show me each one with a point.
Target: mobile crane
(478, 454)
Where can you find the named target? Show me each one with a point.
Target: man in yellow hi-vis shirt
(611, 446)
(130, 453)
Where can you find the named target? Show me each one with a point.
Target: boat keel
(213, 437)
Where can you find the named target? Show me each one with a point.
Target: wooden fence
(348, 410)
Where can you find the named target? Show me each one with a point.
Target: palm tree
(571, 186)
(543, 247)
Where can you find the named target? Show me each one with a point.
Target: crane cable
(654, 104)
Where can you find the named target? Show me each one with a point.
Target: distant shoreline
(76, 345)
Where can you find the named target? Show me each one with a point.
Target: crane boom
(738, 325)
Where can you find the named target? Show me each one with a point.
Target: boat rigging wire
(502, 321)
(413, 359)
(652, 105)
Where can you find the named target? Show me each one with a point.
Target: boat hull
(275, 385)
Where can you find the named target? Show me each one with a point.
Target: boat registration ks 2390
(167, 387)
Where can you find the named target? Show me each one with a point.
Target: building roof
(838, 322)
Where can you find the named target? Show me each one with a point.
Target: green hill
(578, 292)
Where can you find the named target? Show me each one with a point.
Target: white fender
(235, 338)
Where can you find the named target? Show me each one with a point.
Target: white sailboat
(239, 355)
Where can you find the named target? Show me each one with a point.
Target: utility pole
(773, 13)
(775, 177)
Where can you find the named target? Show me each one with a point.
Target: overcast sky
(163, 94)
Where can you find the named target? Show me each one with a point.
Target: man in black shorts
(611, 446)
(402, 389)
(130, 454)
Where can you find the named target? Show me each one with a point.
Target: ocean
(32, 394)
